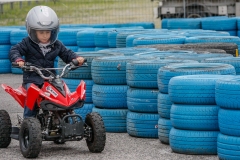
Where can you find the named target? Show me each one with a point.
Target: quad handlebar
(31, 67)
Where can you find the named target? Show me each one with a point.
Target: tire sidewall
(34, 142)
(98, 139)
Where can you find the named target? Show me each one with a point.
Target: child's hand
(80, 60)
(20, 63)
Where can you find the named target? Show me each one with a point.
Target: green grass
(85, 11)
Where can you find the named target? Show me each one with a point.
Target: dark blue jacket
(33, 54)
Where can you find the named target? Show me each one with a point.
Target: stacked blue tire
(85, 40)
(110, 91)
(142, 100)
(193, 113)
(83, 73)
(228, 141)
(16, 36)
(221, 24)
(101, 39)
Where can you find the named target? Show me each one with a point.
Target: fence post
(11, 4)
(20, 4)
(184, 9)
(1, 8)
(29, 3)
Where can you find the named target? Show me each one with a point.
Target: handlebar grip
(15, 64)
(75, 62)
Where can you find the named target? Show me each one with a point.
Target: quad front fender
(81, 90)
(32, 95)
(18, 94)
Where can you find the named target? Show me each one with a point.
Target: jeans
(27, 112)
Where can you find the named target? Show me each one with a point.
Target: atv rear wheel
(30, 138)
(96, 141)
(5, 129)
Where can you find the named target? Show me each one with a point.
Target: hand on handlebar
(80, 60)
(20, 63)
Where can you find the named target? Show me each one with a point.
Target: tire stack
(214, 39)
(101, 39)
(68, 37)
(194, 114)
(188, 23)
(112, 35)
(151, 33)
(221, 24)
(73, 79)
(142, 100)
(227, 97)
(192, 106)
(159, 40)
(142, 116)
(5, 46)
(16, 36)
(230, 48)
(121, 37)
(109, 91)
(85, 40)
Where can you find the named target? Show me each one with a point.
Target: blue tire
(143, 125)
(229, 122)
(195, 117)
(110, 70)
(194, 89)
(114, 119)
(110, 96)
(87, 108)
(164, 105)
(228, 147)
(193, 142)
(167, 72)
(164, 127)
(142, 100)
(143, 74)
(227, 93)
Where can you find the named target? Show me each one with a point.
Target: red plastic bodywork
(47, 92)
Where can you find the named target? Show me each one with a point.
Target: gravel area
(119, 146)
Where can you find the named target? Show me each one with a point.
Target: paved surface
(119, 146)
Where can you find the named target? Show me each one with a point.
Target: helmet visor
(53, 37)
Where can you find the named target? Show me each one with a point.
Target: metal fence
(197, 8)
(84, 11)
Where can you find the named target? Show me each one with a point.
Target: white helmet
(42, 18)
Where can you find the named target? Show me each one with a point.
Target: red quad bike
(55, 120)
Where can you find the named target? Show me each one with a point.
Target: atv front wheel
(5, 129)
(96, 141)
(30, 138)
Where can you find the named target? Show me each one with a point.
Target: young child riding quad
(47, 101)
(41, 47)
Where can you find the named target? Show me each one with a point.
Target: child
(41, 47)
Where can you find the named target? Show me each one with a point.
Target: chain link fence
(83, 11)
(197, 8)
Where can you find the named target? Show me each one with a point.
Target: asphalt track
(119, 146)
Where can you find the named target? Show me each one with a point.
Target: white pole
(184, 9)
